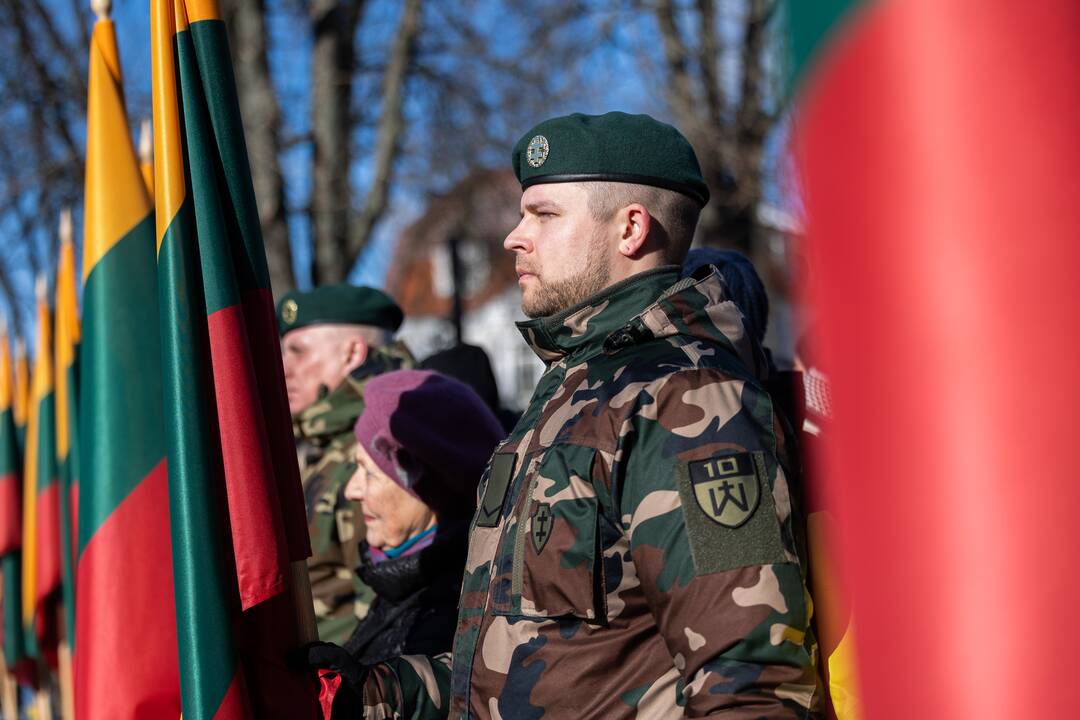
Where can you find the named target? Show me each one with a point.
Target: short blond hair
(675, 213)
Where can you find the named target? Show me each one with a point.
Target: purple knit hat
(430, 433)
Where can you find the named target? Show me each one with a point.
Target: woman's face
(392, 515)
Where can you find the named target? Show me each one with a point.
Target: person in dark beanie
(742, 282)
(472, 366)
(423, 441)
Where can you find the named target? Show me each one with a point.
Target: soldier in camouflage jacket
(636, 551)
(326, 448)
(334, 341)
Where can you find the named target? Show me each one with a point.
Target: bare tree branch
(708, 57)
(390, 128)
(262, 130)
(333, 62)
(676, 56)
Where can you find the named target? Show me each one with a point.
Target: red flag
(939, 142)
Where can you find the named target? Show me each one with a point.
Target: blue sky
(601, 76)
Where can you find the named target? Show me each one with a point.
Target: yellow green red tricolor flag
(10, 514)
(236, 500)
(126, 648)
(938, 146)
(67, 436)
(41, 499)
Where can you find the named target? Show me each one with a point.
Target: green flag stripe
(120, 377)
(9, 444)
(67, 559)
(48, 472)
(811, 23)
(14, 645)
(211, 45)
(205, 186)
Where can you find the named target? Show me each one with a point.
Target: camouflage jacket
(325, 442)
(635, 552)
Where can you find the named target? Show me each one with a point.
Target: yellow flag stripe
(147, 170)
(41, 385)
(6, 391)
(67, 335)
(116, 197)
(201, 10)
(169, 190)
(21, 402)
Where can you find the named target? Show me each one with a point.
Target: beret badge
(288, 311)
(537, 152)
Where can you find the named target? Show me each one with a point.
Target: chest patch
(490, 510)
(542, 520)
(726, 488)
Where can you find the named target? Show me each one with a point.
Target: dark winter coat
(415, 609)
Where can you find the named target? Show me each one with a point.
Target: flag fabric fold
(126, 664)
(228, 430)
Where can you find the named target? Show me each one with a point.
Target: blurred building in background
(455, 282)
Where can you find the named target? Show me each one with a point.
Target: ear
(356, 352)
(635, 223)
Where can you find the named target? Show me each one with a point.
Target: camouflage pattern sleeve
(709, 518)
(410, 687)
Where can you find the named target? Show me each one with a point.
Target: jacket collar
(651, 305)
(581, 331)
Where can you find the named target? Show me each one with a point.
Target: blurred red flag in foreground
(939, 142)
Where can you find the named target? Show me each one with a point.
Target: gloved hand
(341, 677)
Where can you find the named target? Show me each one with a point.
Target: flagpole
(146, 154)
(9, 697)
(42, 701)
(300, 586)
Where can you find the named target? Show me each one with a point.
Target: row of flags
(152, 521)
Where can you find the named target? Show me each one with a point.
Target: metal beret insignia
(537, 152)
(288, 311)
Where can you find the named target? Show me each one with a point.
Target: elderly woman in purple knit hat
(424, 440)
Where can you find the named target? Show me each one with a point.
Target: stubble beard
(553, 296)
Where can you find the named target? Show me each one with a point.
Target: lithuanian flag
(67, 414)
(126, 662)
(237, 507)
(10, 513)
(938, 142)
(41, 498)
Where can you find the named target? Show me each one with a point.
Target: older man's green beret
(613, 147)
(339, 305)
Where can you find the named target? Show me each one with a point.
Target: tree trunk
(333, 61)
(262, 131)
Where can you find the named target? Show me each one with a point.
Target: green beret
(614, 147)
(338, 304)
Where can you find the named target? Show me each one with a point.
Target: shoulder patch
(726, 488)
(728, 507)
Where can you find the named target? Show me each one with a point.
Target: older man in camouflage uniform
(334, 340)
(636, 552)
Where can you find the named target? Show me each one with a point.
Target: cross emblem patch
(542, 521)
